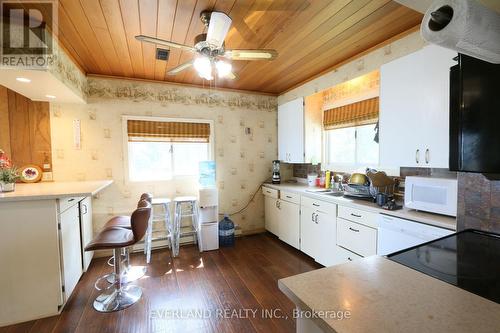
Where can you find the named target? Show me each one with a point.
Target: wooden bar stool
(184, 207)
(120, 296)
(163, 206)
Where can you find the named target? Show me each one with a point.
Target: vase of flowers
(8, 178)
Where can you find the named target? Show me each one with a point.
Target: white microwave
(435, 195)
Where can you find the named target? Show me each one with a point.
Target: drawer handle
(349, 258)
(73, 199)
(352, 229)
(355, 215)
(314, 204)
(289, 197)
(268, 192)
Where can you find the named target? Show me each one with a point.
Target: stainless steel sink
(335, 193)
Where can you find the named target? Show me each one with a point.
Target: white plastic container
(311, 179)
(208, 236)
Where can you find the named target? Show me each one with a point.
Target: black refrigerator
(474, 116)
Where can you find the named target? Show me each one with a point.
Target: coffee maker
(276, 179)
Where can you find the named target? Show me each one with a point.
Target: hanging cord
(248, 203)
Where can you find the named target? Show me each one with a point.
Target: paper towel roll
(465, 26)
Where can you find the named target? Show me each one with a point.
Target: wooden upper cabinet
(24, 129)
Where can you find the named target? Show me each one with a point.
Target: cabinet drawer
(323, 206)
(290, 197)
(356, 237)
(358, 215)
(65, 203)
(270, 192)
(346, 255)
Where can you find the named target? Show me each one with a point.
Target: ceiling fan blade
(163, 42)
(250, 54)
(231, 76)
(218, 28)
(180, 68)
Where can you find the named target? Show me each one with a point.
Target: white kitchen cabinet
(299, 131)
(308, 232)
(86, 229)
(70, 248)
(356, 237)
(291, 131)
(289, 223)
(414, 109)
(318, 230)
(326, 222)
(271, 210)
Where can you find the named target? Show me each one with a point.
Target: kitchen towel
(465, 26)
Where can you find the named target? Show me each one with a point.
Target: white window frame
(343, 167)
(211, 142)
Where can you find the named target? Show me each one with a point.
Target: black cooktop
(469, 259)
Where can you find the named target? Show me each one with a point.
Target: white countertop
(53, 190)
(405, 213)
(384, 296)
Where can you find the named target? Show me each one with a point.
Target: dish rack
(387, 189)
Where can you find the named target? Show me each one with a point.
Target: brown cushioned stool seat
(111, 238)
(118, 222)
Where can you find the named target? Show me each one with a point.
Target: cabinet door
(271, 215)
(86, 230)
(326, 240)
(414, 99)
(70, 249)
(436, 106)
(308, 232)
(289, 223)
(291, 131)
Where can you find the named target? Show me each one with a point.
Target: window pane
(187, 157)
(341, 146)
(149, 161)
(366, 148)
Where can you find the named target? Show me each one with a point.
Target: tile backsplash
(301, 170)
(478, 202)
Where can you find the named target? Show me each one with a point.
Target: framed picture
(30, 173)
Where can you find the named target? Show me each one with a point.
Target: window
(352, 146)
(161, 149)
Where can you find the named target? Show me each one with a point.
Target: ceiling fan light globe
(223, 68)
(203, 66)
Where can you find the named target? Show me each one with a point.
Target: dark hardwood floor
(230, 290)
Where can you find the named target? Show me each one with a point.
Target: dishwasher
(396, 234)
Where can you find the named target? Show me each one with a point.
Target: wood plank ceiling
(311, 36)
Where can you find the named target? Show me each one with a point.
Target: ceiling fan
(209, 49)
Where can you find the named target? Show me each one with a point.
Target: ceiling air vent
(162, 54)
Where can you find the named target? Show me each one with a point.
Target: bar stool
(130, 273)
(120, 296)
(182, 211)
(162, 204)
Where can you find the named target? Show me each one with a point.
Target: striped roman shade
(145, 130)
(355, 114)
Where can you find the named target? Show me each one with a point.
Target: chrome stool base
(131, 274)
(116, 299)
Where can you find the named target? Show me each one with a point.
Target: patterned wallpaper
(243, 160)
